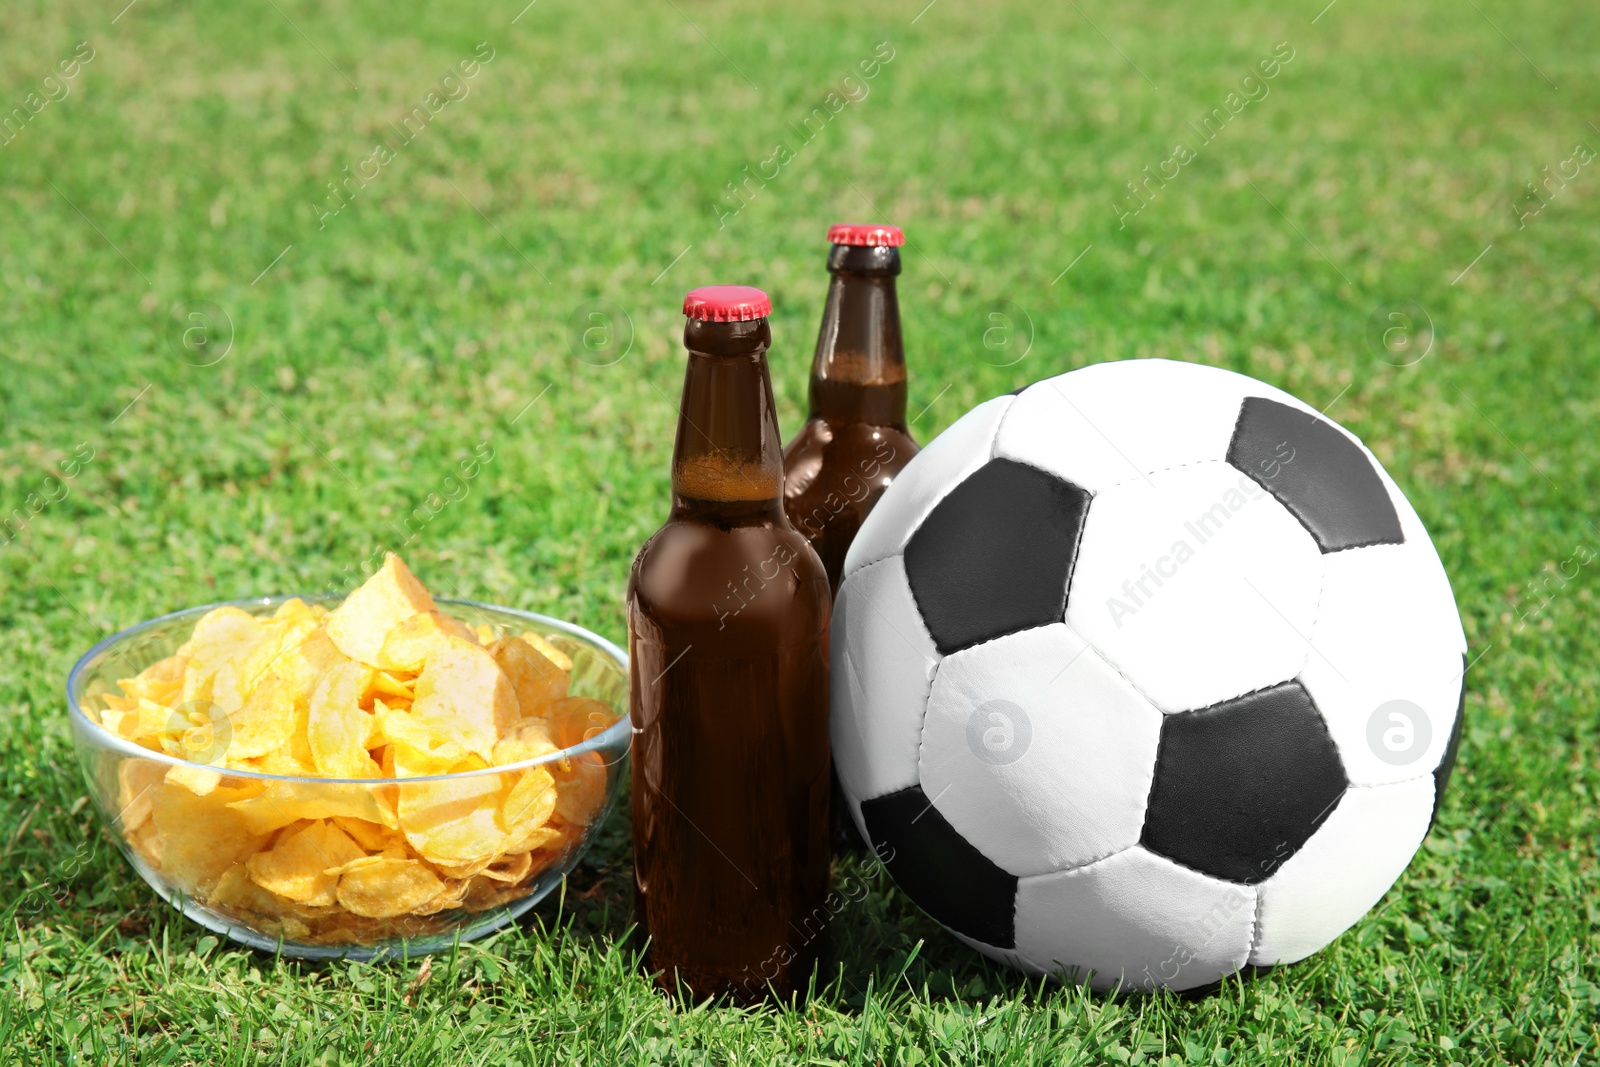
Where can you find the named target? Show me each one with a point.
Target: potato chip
(411, 642)
(295, 609)
(149, 724)
(224, 637)
(394, 852)
(274, 713)
(219, 634)
(412, 746)
(292, 928)
(574, 720)
(296, 867)
(337, 727)
(377, 734)
(119, 704)
(484, 893)
(116, 709)
(236, 677)
(455, 890)
(548, 650)
(464, 696)
(537, 839)
(198, 780)
(388, 887)
(449, 758)
(235, 891)
(463, 871)
(146, 842)
(161, 682)
(530, 802)
(282, 803)
(580, 788)
(391, 688)
(454, 820)
(528, 739)
(279, 761)
(200, 837)
(137, 781)
(536, 681)
(372, 836)
(360, 625)
(513, 868)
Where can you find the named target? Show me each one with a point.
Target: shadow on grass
(878, 939)
(878, 943)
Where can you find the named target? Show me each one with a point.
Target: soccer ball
(1145, 674)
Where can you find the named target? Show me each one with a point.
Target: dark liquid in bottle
(728, 612)
(874, 403)
(856, 439)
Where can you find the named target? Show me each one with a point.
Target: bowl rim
(605, 739)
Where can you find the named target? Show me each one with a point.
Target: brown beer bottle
(728, 611)
(856, 440)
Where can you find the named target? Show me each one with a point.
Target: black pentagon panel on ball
(1447, 762)
(1323, 478)
(1241, 785)
(995, 555)
(940, 870)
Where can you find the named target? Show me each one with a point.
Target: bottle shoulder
(824, 455)
(698, 573)
(889, 443)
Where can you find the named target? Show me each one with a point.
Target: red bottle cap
(727, 303)
(858, 233)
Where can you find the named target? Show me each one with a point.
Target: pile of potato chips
(383, 686)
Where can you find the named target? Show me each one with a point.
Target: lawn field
(270, 271)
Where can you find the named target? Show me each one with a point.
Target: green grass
(425, 317)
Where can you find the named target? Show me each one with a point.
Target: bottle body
(856, 438)
(837, 472)
(728, 611)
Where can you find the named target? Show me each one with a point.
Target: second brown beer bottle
(856, 439)
(728, 611)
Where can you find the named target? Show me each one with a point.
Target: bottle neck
(859, 371)
(727, 463)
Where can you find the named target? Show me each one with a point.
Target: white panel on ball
(1346, 867)
(1387, 673)
(961, 449)
(1038, 752)
(1106, 424)
(1196, 584)
(883, 664)
(1427, 560)
(1135, 920)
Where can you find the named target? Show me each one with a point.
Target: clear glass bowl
(194, 849)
